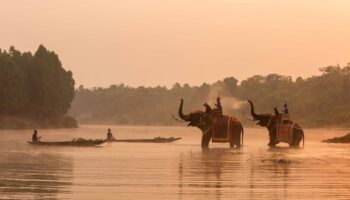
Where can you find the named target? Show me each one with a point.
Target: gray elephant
(206, 122)
(271, 121)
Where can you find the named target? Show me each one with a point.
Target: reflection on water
(34, 175)
(172, 171)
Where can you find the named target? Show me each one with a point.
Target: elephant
(204, 121)
(270, 121)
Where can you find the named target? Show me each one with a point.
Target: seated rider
(218, 106)
(110, 136)
(35, 137)
(285, 108)
(285, 118)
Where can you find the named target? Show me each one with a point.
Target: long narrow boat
(154, 140)
(86, 143)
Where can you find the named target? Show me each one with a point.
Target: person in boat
(110, 136)
(35, 137)
(218, 106)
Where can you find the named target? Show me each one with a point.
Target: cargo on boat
(154, 140)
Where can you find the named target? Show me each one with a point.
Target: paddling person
(35, 137)
(110, 136)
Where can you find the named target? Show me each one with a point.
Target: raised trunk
(255, 116)
(181, 115)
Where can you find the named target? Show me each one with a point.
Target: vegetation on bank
(317, 101)
(343, 139)
(35, 90)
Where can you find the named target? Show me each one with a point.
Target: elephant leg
(297, 137)
(236, 137)
(205, 140)
(273, 135)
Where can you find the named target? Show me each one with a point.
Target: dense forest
(318, 101)
(35, 91)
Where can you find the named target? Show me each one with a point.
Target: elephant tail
(303, 135)
(242, 130)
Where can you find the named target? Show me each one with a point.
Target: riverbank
(343, 139)
(11, 122)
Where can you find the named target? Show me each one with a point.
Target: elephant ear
(277, 113)
(207, 108)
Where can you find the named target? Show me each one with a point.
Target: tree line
(35, 90)
(317, 101)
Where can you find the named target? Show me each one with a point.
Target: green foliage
(34, 86)
(12, 86)
(52, 88)
(318, 101)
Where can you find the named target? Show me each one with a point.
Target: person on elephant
(285, 108)
(283, 117)
(218, 106)
(110, 136)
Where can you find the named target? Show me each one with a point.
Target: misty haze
(175, 99)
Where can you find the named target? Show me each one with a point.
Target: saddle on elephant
(285, 129)
(222, 128)
(284, 133)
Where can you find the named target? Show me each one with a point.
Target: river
(181, 170)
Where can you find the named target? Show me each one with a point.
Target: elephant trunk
(255, 116)
(181, 115)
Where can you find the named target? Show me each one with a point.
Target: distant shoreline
(11, 122)
(183, 124)
(14, 122)
(343, 139)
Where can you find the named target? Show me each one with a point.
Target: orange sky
(160, 42)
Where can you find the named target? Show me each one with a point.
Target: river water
(181, 170)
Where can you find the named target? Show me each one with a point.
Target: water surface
(181, 170)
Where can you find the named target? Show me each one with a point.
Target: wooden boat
(84, 143)
(154, 140)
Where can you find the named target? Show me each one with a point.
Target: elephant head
(197, 118)
(263, 119)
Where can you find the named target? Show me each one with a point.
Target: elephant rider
(110, 136)
(217, 110)
(285, 118)
(35, 137)
(218, 106)
(285, 108)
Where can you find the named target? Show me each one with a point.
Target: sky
(161, 42)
